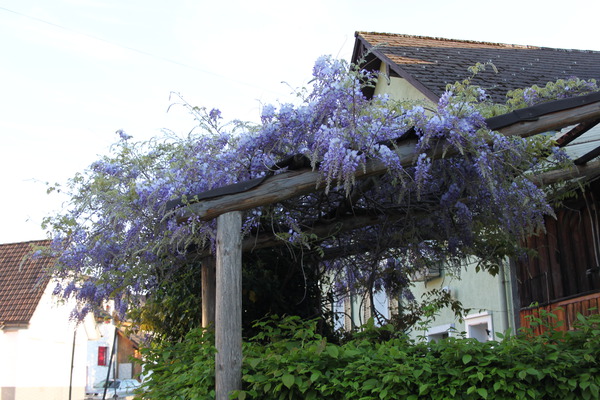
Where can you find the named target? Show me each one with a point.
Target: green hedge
(289, 361)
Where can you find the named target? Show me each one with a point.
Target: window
(479, 326)
(102, 355)
(439, 332)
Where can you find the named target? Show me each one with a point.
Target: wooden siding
(568, 254)
(126, 351)
(565, 311)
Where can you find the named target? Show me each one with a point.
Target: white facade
(488, 297)
(45, 359)
(52, 358)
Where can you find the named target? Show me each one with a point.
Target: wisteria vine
(114, 241)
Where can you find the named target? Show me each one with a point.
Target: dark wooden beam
(575, 132)
(208, 290)
(590, 155)
(554, 121)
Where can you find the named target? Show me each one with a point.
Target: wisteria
(116, 241)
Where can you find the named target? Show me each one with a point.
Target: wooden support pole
(208, 291)
(228, 310)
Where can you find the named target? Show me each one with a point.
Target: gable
(429, 64)
(23, 279)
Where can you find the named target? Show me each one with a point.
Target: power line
(135, 50)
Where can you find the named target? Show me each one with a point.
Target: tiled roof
(432, 63)
(23, 279)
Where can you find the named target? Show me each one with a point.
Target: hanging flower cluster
(115, 242)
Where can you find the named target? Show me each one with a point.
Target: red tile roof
(432, 63)
(23, 278)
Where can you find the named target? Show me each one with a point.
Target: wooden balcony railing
(565, 311)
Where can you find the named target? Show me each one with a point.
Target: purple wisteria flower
(117, 238)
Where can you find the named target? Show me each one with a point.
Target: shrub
(288, 360)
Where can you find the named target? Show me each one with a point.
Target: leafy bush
(182, 370)
(288, 360)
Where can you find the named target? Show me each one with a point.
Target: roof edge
(15, 325)
(26, 242)
(466, 41)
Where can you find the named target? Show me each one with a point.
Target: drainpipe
(112, 353)
(504, 298)
(72, 361)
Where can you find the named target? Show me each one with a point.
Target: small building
(43, 353)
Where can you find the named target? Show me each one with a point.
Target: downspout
(112, 353)
(72, 362)
(504, 298)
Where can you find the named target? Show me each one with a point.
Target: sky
(73, 72)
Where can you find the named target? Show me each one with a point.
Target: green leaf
(595, 390)
(288, 380)
(370, 384)
(332, 351)
(315, 375)
(482, 392)
(467, 358)
(253, 362)
(584, 385)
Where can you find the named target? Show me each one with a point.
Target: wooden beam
(286, 185)
(208, 290)
(321, 231)
(590, 155)
(577, 171)
(575, 132)
(290, 184)
(351, 222)
(228, 313)
(554, 121)
(325, 229)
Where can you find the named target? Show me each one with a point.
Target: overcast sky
(75, 71)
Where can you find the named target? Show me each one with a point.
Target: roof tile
(23, 278)
(435, 62)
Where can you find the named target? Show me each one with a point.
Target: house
(43, 354)
(419, 68)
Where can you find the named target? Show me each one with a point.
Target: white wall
(488, 297)
(103, 336)
(36, 362)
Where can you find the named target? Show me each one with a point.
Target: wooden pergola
(222, 275)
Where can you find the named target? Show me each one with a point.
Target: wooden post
(208, 291)
(228, 311)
